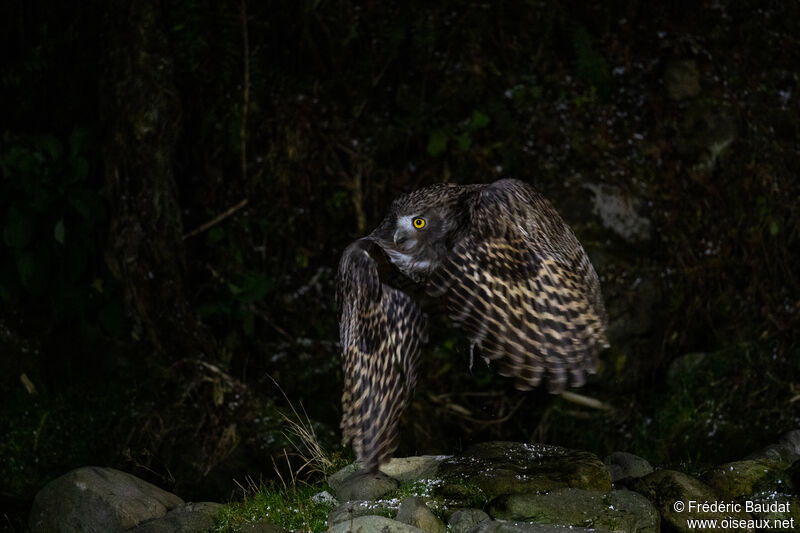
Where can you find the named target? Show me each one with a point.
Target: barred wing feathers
(522, 288)
(381, 331)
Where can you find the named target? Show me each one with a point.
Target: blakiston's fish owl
(511, 274)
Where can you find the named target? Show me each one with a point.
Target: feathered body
(508, 269)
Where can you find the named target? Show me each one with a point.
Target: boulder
(405, 469)
(673, 492)
(362, 485)
(617, 510)
(187, 518)
(498, 526)
(365, 524)
(745, 478)
(347, 511)
(413, 511)
(786, 450)
(623, 465)
(492, 469)
(94, 499)
(464, 520)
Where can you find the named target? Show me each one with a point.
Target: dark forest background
(178, 179)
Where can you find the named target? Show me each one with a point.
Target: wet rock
(362, 485)
(464, 520)
(416, 468)
(744, 478)
(773, 506)
(786, 450)
(373, 523)
(672, 492)
(324, 497)
(682, 80)
(94, 499)
(498, 526)
(336, 480)
(623, 465)
(187, 518)
(617, 510)
(413, 511)
(349, 510)
(619, 212)
(492, 469)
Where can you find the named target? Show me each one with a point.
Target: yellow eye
(419, 223)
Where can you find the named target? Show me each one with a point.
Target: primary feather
(512, 275)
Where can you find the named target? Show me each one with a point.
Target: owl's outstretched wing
(381, 331)
(522, 287)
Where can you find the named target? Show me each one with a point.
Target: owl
(500, 261)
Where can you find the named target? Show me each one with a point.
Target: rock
(786, 450)
(464, 520)
(623, 465)
(774, 506)
(347, 511)
(497, 526)
(187, 518)
(492, 469)
(747, 477)
(671, 492)
(416, 468)
(617, 510)
(413, 511)
(362, 485)
(619, 212)
(367, 524)
(335, 481)
(682, 80)
(324, 497)
(94, 499)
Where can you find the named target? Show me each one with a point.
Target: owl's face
(419, 229)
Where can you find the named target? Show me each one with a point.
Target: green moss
(291, 508)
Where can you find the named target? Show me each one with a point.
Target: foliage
(53, 222)
(290, 507)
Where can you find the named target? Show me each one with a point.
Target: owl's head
(420, 227)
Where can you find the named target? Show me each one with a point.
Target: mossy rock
(496, 526)
(617, 510)
(374, 523)
(464, 520)
(488, 470)
(413, 511)
(347, 511)
(672, 493)
(744, 478)
(774, 506)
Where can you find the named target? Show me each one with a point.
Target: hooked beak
(400, 238)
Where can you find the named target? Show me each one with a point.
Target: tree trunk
(142, 109)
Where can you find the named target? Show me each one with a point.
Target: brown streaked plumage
(512, 275)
